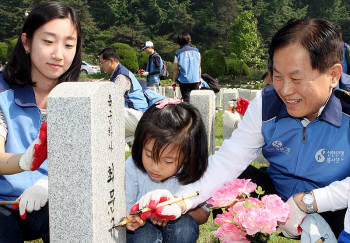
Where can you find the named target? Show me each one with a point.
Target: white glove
(296, 217)
(34, 197)
(145, 74)
(153, 198)
(36, 153)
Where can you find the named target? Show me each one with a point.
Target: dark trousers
(14, 229)
(260, 177)
(186, 90)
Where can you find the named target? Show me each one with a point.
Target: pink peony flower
(226, 195)
(278, 208)
(246, 216)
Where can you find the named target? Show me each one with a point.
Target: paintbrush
(9, 202)
(125, 220)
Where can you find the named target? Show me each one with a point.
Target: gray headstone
(86, 162)
(169, 92)
(218, 99)
(227, 95)
(253, 93)
(204, 101)
(244, 93)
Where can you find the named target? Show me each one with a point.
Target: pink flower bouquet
(247, 219)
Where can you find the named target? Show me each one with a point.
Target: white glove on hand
(153, 198)
(34, 197)
(145, 74)
(296, 217)
(36, 153)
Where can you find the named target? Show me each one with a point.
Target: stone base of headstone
(86, 162)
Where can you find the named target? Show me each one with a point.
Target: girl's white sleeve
(233, 157)
(333, 197)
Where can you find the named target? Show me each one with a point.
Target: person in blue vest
(135, 100)
(302, 128)
(187, 66)
(48, 51)
(154, 65)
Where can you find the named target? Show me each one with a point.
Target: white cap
(148, 44)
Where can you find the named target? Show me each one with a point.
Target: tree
(245, 40)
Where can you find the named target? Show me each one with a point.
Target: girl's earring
(27, 52)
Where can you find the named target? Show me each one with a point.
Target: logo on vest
(277, 146)
(329, 156)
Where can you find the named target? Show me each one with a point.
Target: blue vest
(302, 159)
(188, 61)
(23, 119)
(134, 98)
(154, 78)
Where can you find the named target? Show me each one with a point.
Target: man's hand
(33, 198)
(36, 154)
(153, 198)
(291, 228)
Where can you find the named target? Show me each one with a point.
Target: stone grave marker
(204, 101)
(86, 162)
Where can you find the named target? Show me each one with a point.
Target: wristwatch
(308, 199)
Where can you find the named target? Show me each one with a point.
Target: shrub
(3, 51)
(11, 46)
(127, 56)
(213, 63)
(236, 67)
(143, 59)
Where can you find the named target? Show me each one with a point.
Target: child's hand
(135, 222)
(159, 222)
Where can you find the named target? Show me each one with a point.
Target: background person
(154, 65)
(301, 127)
(48, 52)
(170, 150)
(187, 66)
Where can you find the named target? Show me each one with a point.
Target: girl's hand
(159, 222)
(136, 222)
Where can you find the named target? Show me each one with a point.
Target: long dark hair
(18, 69)
(180, 125)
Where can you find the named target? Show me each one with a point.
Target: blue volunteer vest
(302, 159)
(23, 119)
(134, 98)
(188, 61)
(154, 78)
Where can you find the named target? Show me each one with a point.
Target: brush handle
(169, 202)
(9, 202)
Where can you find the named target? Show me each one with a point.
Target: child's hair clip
(167, 101)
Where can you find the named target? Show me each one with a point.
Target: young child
(170, 149)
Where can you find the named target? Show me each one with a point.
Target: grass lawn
(206, 234)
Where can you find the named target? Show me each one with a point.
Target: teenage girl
(170, 149)
(48, 52)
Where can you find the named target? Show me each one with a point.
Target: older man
(301, 127)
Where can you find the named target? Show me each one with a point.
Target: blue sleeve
(131, 183)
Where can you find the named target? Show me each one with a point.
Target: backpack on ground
(212, 82)
(164, 72)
